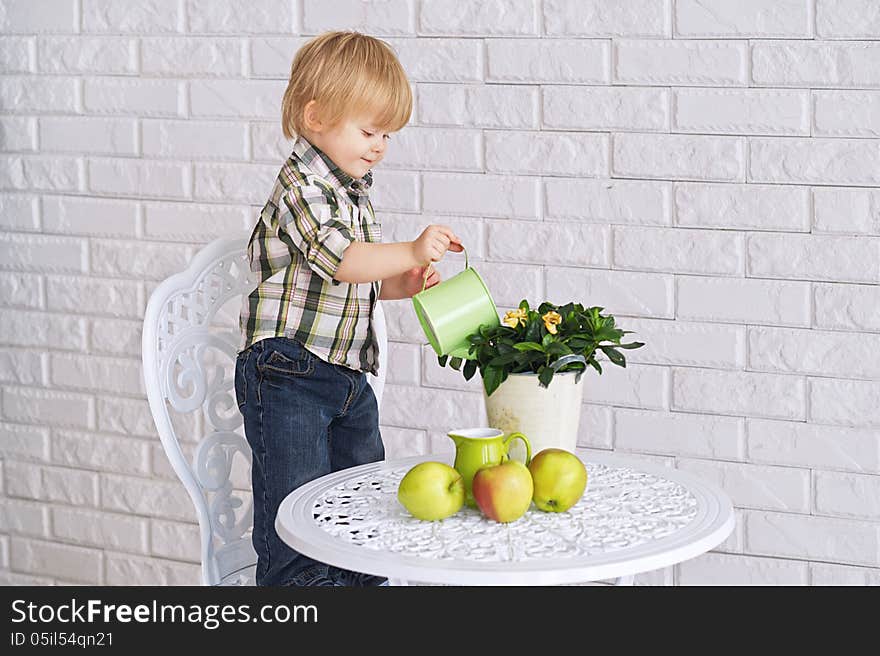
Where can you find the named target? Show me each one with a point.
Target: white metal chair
(190, 342)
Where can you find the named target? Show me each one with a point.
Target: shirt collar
(318, 162)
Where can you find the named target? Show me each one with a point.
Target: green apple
(560, 479)
(503, 492)
(431, 491)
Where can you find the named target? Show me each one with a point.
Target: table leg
(624, 580)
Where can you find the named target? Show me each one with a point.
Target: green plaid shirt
(315, 211)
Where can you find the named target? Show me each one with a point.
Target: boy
(300, 379)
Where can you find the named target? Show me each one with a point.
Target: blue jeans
(303, 418)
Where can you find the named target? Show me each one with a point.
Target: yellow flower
(551, 320)
(514, 317)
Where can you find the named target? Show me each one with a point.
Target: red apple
(503, 492)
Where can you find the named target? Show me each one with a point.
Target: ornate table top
(632, 518)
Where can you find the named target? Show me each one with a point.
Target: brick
(852, 211)
(511, 283)
(175, 540)
(815, 64)
(593, 18)
(748, 18)
(493, 106)
(711, 63)
(480, 195)
(268, 143)
(132, 16)
(28, 16)
(21, 367)
(827, 574)
(619, 292)
(94, 296)
(679, 250)
(23, 328)
(89, 135)
(606, 108)
(115, 336)
(141, 97)
(845, 402)
(595, 429)
(847, 19)
(847, 113)
(187, 56)
(89, 217)
(125, 177)
(743, 301)
(814, 257)
(404, 364)
(42, 253)
(188, 140)
(741, 111)
(273, 56)
(57, 484)
(549, 61)
(245, 183)
(24, 442)
(41, 172)
(814, 445)
(98, 529)
(188, 222)
(728, 569)
(813, 352)
(94, 373)
(675, 156)
(548, 153)
(635, 386)
(739, 393)
(435, 149)
(755, 486)
(739, 206)
(128, 417)
(38, 94)
(609, 201)
(142, 496)
(848, 307)
(821, 161)
(124, 569)
(48, 407)
(419, 408)
(120, 455)
(395, 191)
(679, 434)
(812, 538)
(575, 244)
(691, 344)
(440, 60)
(24, 518)
(18, 134)
(17, 54)
(238, 99)
(404, 442)
(848, 495)
(67, 562)
(138, 260)
(19, 213)
(22, 290)
(454, 17)
(81, 54)
(240, 16)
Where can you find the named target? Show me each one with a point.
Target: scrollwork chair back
(190, 341)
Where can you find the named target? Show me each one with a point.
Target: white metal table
(632, 518)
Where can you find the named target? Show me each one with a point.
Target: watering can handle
(428, 270)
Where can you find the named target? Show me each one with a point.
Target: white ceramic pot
(549, 416)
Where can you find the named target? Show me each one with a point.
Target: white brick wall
(708, 171)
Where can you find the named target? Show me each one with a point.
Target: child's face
(355, 145)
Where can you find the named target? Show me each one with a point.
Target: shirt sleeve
(309, 221)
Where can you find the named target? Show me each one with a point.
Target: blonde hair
(347, 74)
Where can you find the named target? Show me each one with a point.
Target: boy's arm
(367, 262)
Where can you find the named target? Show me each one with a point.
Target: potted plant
(532, 365)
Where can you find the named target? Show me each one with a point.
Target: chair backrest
(190, 342)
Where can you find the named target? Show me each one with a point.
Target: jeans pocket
(287, 357)
(240, 380)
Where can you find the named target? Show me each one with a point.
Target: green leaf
(548, 340)
(545, 376)
(455, 363)
(528, 346)
(491, 379)
(596, 365)
(631, 345)
(442, 360)
(470, 368)
(614, 356)
(503, 360)
(524, 305)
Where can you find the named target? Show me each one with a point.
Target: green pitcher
(478, 447)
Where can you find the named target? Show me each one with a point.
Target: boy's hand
(412, 281)
(432, 244)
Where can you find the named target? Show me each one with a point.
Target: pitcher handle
(524, 439)
(428, 270)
